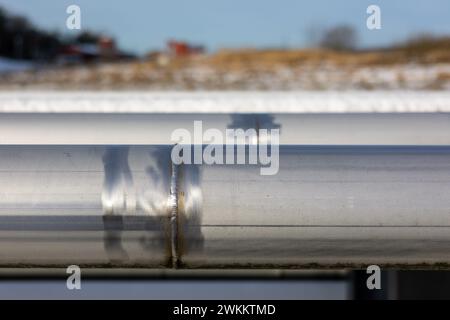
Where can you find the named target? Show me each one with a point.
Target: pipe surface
(87, 179)
(328, 206)
(301, 129)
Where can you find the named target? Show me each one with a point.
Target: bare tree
(340, 38)
(313, 35)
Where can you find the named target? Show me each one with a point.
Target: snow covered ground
(226, 101)
(144, 76)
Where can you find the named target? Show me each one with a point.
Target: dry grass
(315, 69)
(426, 51)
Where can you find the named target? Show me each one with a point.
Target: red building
(181, 48)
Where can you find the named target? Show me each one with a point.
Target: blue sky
(142, 25)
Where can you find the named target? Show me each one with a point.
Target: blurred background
(225, 45)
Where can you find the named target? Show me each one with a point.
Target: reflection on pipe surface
(327, 206)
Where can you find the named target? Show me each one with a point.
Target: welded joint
(173, 200)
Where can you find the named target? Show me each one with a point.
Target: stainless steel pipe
(328, 206)
(156, 128)
(87, 179)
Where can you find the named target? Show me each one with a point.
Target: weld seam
(174, 215)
